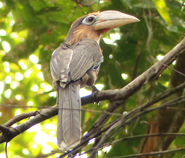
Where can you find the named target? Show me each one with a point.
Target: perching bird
(75, 64)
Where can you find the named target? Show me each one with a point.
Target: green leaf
(163, 11)
(145, 4)
(37, 5)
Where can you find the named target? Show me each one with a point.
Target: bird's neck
(82, 32)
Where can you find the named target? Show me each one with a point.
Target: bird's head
(95, 24)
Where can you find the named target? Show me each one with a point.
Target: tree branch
(154, 153)
(126, 120)
(116, 95)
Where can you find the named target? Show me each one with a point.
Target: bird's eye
(89, 20)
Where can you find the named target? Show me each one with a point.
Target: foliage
(31, 30)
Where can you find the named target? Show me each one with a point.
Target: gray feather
(69, 117)
(68, 65)
(86, 53)
(60, 64)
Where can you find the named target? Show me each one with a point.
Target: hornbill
(75, 64)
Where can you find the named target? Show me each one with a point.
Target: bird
(75, 64)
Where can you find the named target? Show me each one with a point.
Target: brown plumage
(76, 64)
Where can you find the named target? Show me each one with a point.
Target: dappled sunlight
(124, 76)
(14, 125)
(107, 149)
(34, 146)
(22, 65)
(53, 94)
(82, 155)
(17, 112)
(160, 57)
(1, 4)
(41, 138)
(28, 72)
(166, 84)
(29, 103)
(33, 59)
(18, 76)
(111, 56)
(14, 35)
(6, 67)
(25, 151)
(12, 22)
(84, 92)
(48, 88)
(101, 1)
(50, 126)
(126, 131)
(2, 32)
(18, 97)
(7, 93)
(31, 30)
(91, 141)
(99, 153)
(99, 86)
(2, 155)
(174, 62)
(14, 84)
(112, 39)
(6, 46)
(8, 79)
(38, 66)
(40, 75)
(35, 88)
(2, 87)
(53, 132)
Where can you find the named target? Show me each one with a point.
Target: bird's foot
(95, 91)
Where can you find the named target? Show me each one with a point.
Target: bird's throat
(83, 31)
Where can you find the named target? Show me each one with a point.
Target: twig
(125, 120)
(20, 117)
(118, 94)
(43, 115)
(137, 137)
(153, 153)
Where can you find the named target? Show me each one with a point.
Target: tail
(69, 116)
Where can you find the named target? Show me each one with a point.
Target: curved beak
(111, 19)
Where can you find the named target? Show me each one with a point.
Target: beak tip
(112, 19)
(137, 20)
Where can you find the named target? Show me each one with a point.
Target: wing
(70, 64)
(60, 63)
(86, 55)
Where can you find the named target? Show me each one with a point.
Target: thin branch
(143, 136)
(119, 140)
(4, 129)
(20, 117)
(153, 153)
(163, 95)
(149, 75)
(137, 137)
(115, 95)
(105, 114)
(125, 120)
(120, 122)
(43, 115)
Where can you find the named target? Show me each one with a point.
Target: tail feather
(69, 116)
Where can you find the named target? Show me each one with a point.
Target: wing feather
(70, 64)
(86, 54)
(60, 64)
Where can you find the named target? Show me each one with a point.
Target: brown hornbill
(75, 64)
